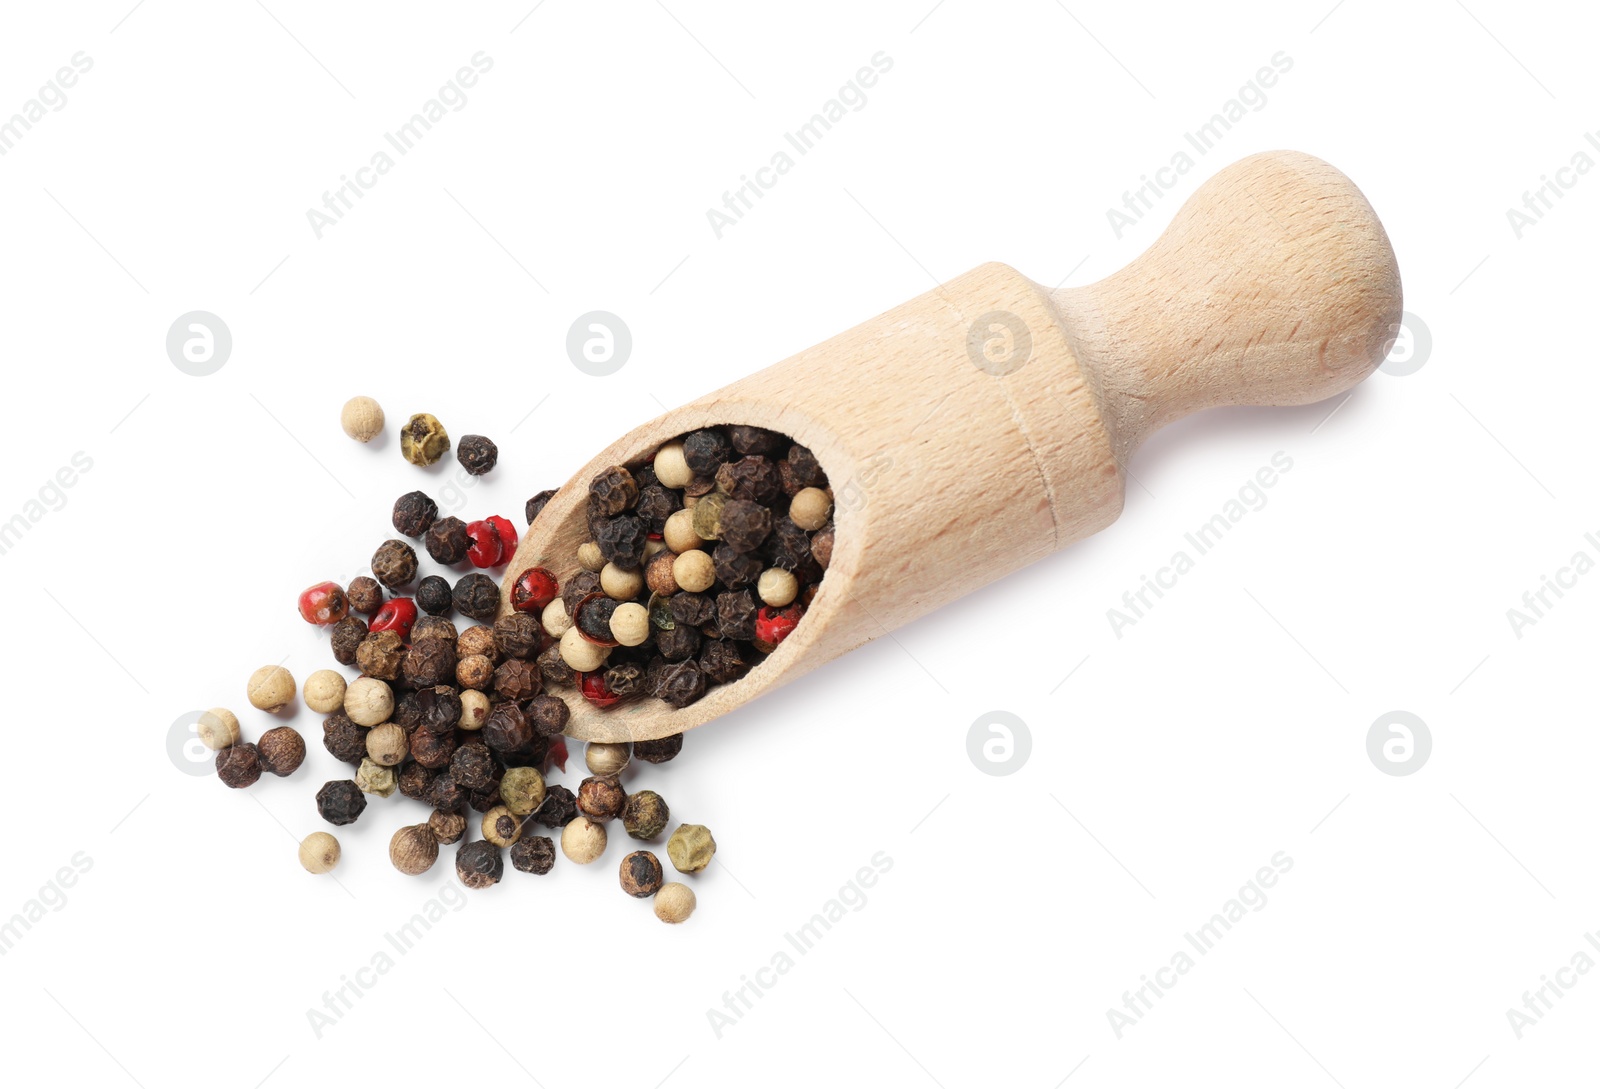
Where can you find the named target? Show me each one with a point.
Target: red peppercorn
(508, 536)
(535, 588)
(773, 625)
(324, 603)
(596, 691)
(486, 546)
(396, 615)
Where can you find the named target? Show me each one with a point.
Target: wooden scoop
(1274, 285)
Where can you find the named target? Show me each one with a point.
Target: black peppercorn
(533, 854)
(433, 595)
(472, 767)
(548, 715)
(601, 797)
(447, 541)
(554, 668)
(281, 750)
(478, 864)
(788, 546)
(477, 454)
(407, 713)
(677, 643)
(695, 610)
(447, 827)
(559, 808)
(531, 509)
(626, 680)
(432, 751)
(640, 874)
(433, 627)
(413, 513)
(735, 569)
(660, 750)
(238, 765)
(340, 801)
(577, 588)
(430, 661)
(706, 450)
(476, 596)
(822, 546)
(681, 683)
(745, 524)
(722, 661)
(416, 781)
(518, 636)
(612, 491)
(736, 615)
(594, 617)
(799, 470)
(507, 728)
(756, 440)
(486, 799)
(438, 709)
(364, 594)
(381, 655)
(446, 795)
(622, 540)
(517, 680)
(752, 478)
(394, 564)
(343, 739)
(346, 637)
(656, 504)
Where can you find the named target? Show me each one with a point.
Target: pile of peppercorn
(700, 563)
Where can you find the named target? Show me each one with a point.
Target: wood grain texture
(1275, 284)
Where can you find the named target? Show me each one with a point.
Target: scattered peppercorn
(271, 688)
(434, 627)
(473, 767)
(364, 594)
(518, 635)
(531, 509)
(381, 654)
(430, 662)
(640, 874)
(413, 513)
(548, 715)
(414, 849)
(375, 778)
(398, 615)
(361, 418)
(433, 595)
(558, 809)
(218, 728)
(423, 440)
(281, 750)
(238, 765)
(600, 797)
(533, 854)
(324, 691)
(447, 827)
(691, 848)
(446, 795)
(660, 750)
(416, 781)
(432, 751)
(476, 596)
(343, 739)
(645, 814)
(346, 637)
(622, 540)
(583, 840)
(447, 541)
(522, 790)
(674, 903)
(340, 801)
(324, 603)
(479, 865)
(319, 852)
(477, 454)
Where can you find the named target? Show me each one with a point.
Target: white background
(1227, 725)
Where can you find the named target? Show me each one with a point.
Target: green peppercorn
(423, 440)
(691, 848)
(645, 814)
(522, 790)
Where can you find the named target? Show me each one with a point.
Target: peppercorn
(753, 478)
(745, 525)
(517, 635)
(640, 874)
(548, 715)
(430, 662)
(629, 624)
(579, 653)
(323, 604)
(218, 728)
(413, 513)
(670, 465)
(271, 688)
(708, 516)
(414, 849)
(447, 795)
(433, 595)
(472, 767)
(735, 570)
(822, 546)
(554, 668)
(583, 840)
(660, 750)
(477, 596)
(777, 586)
(432, 627)
(238, 765)
(757, 440)
(387, 744)
(645, 814)
(658, 574)
(589, 557)
(517, 680)
(593, 688)
(655, 505)
(447, 827)
(722, 661)
(475, 708)
(486, 549)
(578, 587)
(617, 583)
(622, 540)
(346, 637)
(281, 750)
(477, 454)
(478, 864)
(474, 671)
(788, 546)
(394, 564)
(507, 728)
(691, 848)
(606, 757)
(694, 609)
(431, 751)
(593, 618)
(798, 470)
(343, 739)
(364, 594)
(368, 701)
(554, 619)
(486, 799)
(361, 418)
(376, 779)
(706, 449)
(613, 490)
(522, 790)
(697, 488)
(416, 781)
(533, 854)
(381, 655)
(423, 439)
(736, 615)
(810, 508)
(319, 852)
(531, 509)
(674, 903)
(340, 801)
(447, 541)
(626, 680)
(324, 691)
(773, 625)
(678, 643)
(501, 827)
(601, 797)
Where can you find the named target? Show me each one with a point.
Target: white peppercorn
(671, 467)
(475, 708)
(218, 728)
(620, 584)
(810, 508)
(607, 757)
(554, 619)
(583, 840)
(368, 701)
(387, 744)
(271, 688)
(324, 691)
(590, 558)
(679, 535)
(580, 654)
(361, 418)
(319, 852)
(674, 902)
(630, 624)
(694, 571)
(777, 586)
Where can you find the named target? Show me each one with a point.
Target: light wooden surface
(1274, 285)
